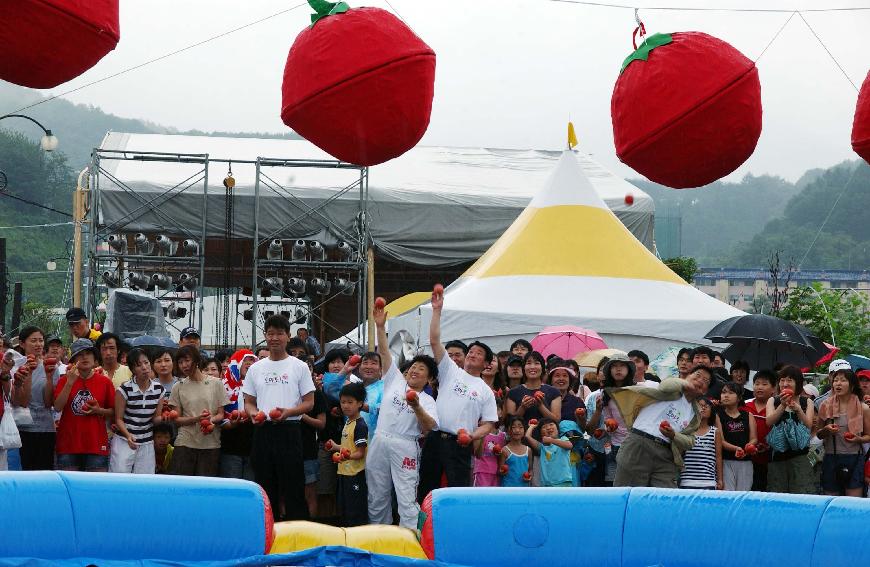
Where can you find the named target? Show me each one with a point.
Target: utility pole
(16, 310)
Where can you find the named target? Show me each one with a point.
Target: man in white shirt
(281, 387)
(464, 402)
(662, 424)
(406, 413)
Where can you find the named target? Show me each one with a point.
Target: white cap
(839, 364)
(811, 390)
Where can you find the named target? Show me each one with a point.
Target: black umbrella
(762, 341)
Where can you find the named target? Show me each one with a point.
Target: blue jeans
(82, 462)
(236, 466)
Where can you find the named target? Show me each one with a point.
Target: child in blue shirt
(553, 451)
(515, 456)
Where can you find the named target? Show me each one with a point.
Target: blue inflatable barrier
(63, 515)
(639, 527)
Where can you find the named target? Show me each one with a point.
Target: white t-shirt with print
(396, 416)
(677, 412)
(278, 383)
(463, 400)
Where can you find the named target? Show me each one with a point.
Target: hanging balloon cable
(639, 30)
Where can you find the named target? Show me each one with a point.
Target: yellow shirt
(121, 375)
(355, 434)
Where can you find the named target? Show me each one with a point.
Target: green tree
(838, 317)
(42, 316)
(683, 266)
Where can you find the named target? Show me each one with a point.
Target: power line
(37, 225)
(29, 202)
(709, 8)
(831, 55)
(161, 57)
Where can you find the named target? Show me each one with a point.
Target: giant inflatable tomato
(861, 125)
(358, 84)
(686, 109)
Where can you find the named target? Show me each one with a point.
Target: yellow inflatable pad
(389, 540)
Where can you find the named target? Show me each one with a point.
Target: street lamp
(48, 142)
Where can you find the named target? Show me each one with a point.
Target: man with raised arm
(466, 410)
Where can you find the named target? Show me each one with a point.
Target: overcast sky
(509, 72)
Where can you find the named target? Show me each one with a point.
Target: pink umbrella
(566, 341)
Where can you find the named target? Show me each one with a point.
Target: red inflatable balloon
(686, 109)
(44, 43)
(427, 535)
(359, 85)
(861, 125)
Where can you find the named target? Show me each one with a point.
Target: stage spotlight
(300, 317)
(267, 314)
(316, 253)
(285, 314)
(345, 286)
(321, 286)
(186, 282)
(273, 284)
(296, 286)
(161, 281)
(140, 280)
(248, 314)
(298, 252)
(190, 247)
(344, 251)
(117, 243)
(165, 245)
(143, 245)
(111, 279)
(275, 251)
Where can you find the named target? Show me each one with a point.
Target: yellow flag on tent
(572, 136)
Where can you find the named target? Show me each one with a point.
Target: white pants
(123, 459)
(393, 462)
(738, 475)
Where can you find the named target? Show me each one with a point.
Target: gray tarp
(433, 206)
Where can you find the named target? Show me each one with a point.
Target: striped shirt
(699, 463)
(140, 408)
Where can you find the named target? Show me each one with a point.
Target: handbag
(9, 437)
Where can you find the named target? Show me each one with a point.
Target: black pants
(598, 472)
(759, 477)
(276, 456)
(442, 454)
(37, 451)
(353, 499)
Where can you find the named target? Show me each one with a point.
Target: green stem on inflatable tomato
(324, 8)
(650, 43)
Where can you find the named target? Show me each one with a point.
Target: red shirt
(78, 432)
(761, 429)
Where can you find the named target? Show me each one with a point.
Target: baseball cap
(75, 315)
(52, 339)
(514, 359)
(839, 364)
(81, 345)
(189, 332)
(811, 390)
(864, 375)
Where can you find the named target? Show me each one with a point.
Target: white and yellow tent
(567, 259)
